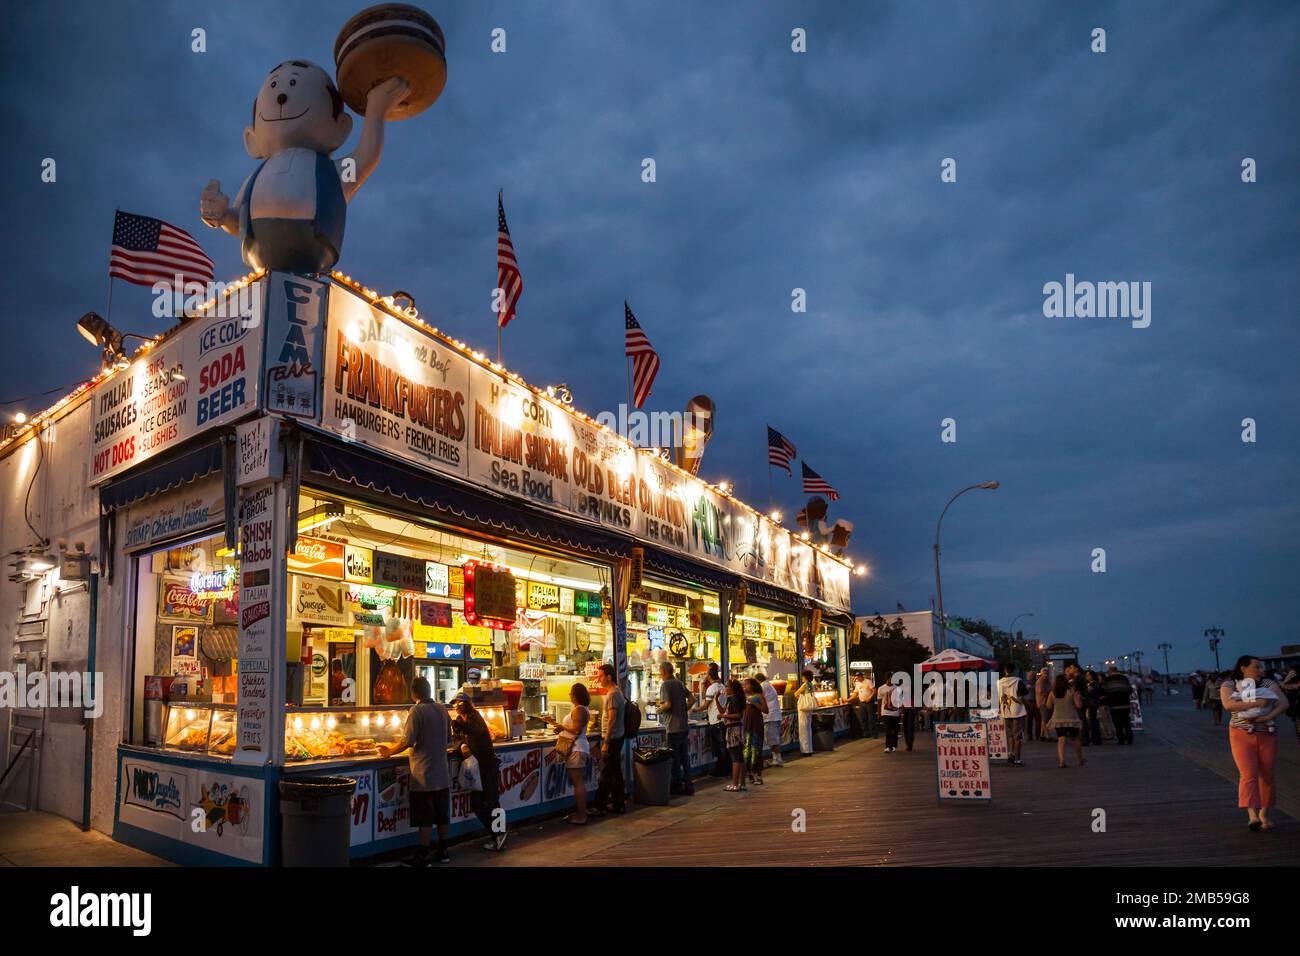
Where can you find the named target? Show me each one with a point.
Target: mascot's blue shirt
(297, 184)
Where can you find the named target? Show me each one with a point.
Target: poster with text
(961, 755)
(256, 628)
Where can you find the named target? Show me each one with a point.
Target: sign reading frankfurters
(393, 387)
(205, 375)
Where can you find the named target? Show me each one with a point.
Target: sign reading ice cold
(203, 376)
(962, 761)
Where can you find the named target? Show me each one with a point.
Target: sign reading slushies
(205, 375)
(962, 761)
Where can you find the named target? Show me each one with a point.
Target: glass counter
(325, 733)
(188, 727)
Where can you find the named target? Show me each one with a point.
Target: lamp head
(990, 485)
(94, 328)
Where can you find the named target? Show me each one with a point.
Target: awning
(351, 470)
(160, 474)
(952, 659)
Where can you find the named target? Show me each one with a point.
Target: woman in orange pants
(1255, 703)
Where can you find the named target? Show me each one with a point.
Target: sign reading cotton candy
(290, 212)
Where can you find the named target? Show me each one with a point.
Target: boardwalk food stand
(310, 510)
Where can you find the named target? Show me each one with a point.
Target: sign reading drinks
(961, 755)
(205, 375)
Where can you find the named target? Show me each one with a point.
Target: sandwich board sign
(961, 761)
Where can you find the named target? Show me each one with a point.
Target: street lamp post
(938, 581)
(1215, 634)
(1166, 647)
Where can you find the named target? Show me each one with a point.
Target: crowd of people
(1076, 709)
(743, 718)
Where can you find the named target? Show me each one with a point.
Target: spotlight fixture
(95, 329)
(560, 393)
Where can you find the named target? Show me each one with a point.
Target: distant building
(923, 627)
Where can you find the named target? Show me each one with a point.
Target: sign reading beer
(489, 595)
(203, 376)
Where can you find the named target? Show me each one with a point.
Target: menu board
(491, 595)
(961, 755)
(256, 631)
(204, 375)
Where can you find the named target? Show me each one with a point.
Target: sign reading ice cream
(962, 761)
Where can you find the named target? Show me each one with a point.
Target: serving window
(764, 641)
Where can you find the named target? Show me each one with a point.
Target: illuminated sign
(489, 595)
(530, 628)
(217, 584)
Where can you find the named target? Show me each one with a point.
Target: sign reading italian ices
(257, 542)
(997, 739)
(393, 388)
(203, 376)
(962, 761)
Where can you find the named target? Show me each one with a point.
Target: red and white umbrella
(952, 659)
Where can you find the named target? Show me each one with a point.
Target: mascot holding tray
(290, 213)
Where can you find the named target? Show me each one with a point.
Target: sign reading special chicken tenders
(392, 387)
(205, 375)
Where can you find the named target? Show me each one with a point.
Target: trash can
(315, 815)
(823, 727)
(652, 768)
(857, 720)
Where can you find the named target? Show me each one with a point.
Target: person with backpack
(617, 716)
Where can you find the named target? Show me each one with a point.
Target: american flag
(147, 250)
(815, 484)
(509, 281)
(645, 360)
(780, 450)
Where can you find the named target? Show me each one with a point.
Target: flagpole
(628, 369)
(109, 310)
(499, 362)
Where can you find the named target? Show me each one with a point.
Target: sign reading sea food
(203, 376)
(257, 543)
(392, 387)
(520, 444)
(962, 761)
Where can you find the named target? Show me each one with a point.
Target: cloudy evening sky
(778, 170)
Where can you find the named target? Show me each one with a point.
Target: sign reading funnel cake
(392, 39)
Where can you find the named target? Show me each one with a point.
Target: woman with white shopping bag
(478, 770)
(805, 704)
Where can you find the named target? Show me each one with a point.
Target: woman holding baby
(1255, 703)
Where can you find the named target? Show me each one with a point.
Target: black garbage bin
(652, 769)
(823, 728)
(857, 720)
(315, 815)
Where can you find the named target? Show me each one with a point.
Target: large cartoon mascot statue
(290, 212)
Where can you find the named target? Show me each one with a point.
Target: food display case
(188, 727)
(331, 733)
(200, 728)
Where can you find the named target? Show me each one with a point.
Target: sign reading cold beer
(203, 376)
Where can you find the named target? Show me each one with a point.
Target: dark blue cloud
(777, 171)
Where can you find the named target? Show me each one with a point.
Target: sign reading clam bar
(399, 389)
(204, 375)
(392, 387)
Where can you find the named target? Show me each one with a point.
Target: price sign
(489, 595)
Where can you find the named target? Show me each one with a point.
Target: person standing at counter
(427, 733)
(673, 702)
(710, 703)
(732, 714)
(611, 791)
(805, 704)
(576, 751)
(772, 725)
(478, 744)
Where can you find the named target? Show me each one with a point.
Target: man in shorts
(1012, 710)
(427, 733)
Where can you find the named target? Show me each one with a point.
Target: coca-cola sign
(178, 604)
